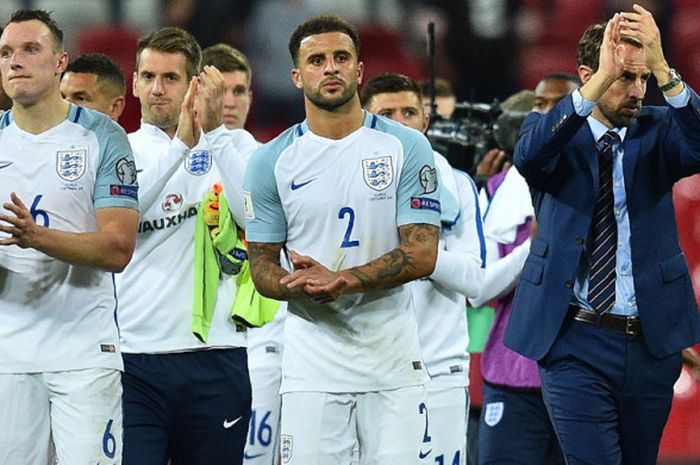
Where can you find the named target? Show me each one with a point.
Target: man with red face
(605, 302)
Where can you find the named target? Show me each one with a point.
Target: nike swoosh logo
(422, 455)
(138, 171)
(228, 424)
(5, 164)
(252, 456)
(302, 184)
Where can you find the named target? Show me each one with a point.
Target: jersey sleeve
(417, 197)
(264, 216)
(461, 261)
(116, 184)
(232, 151)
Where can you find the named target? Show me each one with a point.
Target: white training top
(341, 202)
(55, 316)
(440, 300)
(156, 290)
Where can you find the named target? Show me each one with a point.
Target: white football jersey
(341, 202)
(441, 303)
(55, 316)
(155, 290)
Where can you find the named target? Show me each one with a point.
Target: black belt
(629, 325)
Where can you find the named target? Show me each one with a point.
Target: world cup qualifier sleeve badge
(198, 162)
(378, 173)
(71, 164)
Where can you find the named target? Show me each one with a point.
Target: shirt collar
(599, 129)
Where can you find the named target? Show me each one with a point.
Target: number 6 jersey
(341, 202)
(55, 316)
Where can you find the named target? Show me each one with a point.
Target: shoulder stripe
(78, 111)
(6, 119)
(479, 224)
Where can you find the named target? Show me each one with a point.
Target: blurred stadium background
(487, 48)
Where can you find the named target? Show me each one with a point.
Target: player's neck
(42, 115)
(335, 124)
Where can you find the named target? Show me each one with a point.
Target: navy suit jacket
(557, 156)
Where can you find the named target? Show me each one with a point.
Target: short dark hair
(389, 83)
(21, 16)
(443, 88)
(102, 66)
(321, 24)
(563, 76)
(588, 51)
(173, 40)
(226, 59)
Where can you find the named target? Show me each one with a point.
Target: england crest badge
(494, 413)
(71, 164)
(286, 447)
(198, 162)
(378, 173)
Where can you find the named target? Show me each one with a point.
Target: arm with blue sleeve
(461, 256)
(683, 138)
(542, 137)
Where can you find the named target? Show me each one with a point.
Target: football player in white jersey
(186, 398)
(440, 300)
(69, 219)
(264, 344)
(352, 200)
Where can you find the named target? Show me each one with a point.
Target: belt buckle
(629, 330)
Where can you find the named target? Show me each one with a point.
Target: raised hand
(188, 127)
(641, 26)
(611, 62)
(210, 99)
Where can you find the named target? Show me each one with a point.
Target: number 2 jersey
(55, 316)
(341, 202)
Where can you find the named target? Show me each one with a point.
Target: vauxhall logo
(167, 221)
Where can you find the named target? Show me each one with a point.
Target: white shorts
(76, 415)
(320, 428)
(445, 425)
(262, 445)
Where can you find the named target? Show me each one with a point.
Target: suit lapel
(587, 150)
(630, 156)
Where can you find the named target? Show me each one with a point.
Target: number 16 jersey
(341, 202)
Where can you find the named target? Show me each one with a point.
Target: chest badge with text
(378, 173)
(71, 164)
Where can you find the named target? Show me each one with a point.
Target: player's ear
(134, 88)
(585, 73)
(62, 63)
(360, 72)
(117, 107)
(296, 78)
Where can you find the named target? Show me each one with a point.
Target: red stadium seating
(119, 43)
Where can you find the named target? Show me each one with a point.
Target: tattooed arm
(414, 258)
(265, 269)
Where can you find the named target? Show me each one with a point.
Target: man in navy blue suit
(605, 302)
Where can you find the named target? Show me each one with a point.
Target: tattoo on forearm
(265, 268)
(405, 263)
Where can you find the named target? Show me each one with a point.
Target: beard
(332, 102)
(615, 115)
(159, 119)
